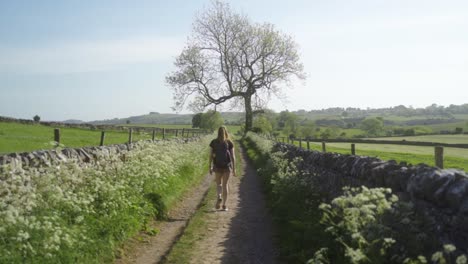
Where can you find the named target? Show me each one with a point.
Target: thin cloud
(88, 56)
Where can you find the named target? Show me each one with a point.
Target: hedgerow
(355, 225)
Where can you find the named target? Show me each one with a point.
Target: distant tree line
(295, 125)
(210, 120)
(400, 110)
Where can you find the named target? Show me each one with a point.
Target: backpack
(222, 158)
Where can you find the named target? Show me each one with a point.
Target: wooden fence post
(164, 133)
(353, 149)
(103, 135)
(183, 132)
(130, 135)
(308, 145)
(300, 143)
(439, 156)
(177, 133)
(324, 147)
(57, 136)
(154, 134)
(283, 139)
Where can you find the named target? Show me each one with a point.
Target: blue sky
(103, 59)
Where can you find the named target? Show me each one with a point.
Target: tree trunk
(248, 113)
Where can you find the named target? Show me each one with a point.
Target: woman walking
(222, 162)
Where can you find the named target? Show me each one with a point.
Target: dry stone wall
(440, 195)
(80, 155)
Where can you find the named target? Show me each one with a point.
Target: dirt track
(241, 235)
(244, 233)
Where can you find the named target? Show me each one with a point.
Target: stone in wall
(49, 157)
(80, 155)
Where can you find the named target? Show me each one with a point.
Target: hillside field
(15, 137)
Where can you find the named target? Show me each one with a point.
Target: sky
(93, 60)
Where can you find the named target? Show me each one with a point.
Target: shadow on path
(250, 236)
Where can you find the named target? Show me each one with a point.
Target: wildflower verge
(73, 213)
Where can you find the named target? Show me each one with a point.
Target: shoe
(224, 208)
(218, 203)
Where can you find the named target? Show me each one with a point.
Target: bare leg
(218, 179)
(225, 177)
(219, 188)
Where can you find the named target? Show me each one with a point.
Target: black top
(215, 141)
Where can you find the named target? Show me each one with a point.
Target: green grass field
(453, 157)
(351, 132)
(233, 129)
(461, 138)
(448, 127)
(15, 137)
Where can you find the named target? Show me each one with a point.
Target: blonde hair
(223, 134)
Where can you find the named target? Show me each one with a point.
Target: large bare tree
(229, 58)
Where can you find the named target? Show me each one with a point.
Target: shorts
(222, 170)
